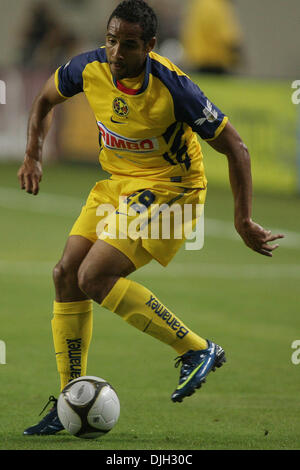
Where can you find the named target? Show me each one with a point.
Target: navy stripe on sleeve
(190, 104)
(70, 79)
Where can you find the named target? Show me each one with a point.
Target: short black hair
(137, 11)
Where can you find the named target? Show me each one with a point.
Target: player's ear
(151, 44)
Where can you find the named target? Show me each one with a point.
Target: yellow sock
(139, 307)
(72, 331)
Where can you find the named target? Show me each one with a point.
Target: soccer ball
(88, 407)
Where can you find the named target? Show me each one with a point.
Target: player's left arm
(255, 237)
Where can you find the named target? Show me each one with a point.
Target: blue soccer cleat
(49, 425)
(195, 367)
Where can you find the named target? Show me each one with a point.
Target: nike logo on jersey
(210, 114)
(117, 122)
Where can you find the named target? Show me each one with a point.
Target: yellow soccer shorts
(143, 223)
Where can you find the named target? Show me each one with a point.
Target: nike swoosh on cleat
(190, 376)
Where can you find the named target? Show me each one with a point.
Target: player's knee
(85, 281)
(62, 274)
(57, 273)
(95, 286)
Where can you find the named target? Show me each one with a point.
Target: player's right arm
(39, 122)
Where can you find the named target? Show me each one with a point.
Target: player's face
(125, 49)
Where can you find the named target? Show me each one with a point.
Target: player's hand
(30, 175)
(257, 238)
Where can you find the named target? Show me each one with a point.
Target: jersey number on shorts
(145, 200)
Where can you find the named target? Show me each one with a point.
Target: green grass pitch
(246, 302)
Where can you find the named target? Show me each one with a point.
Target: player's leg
(73, 316)
(99, 279)
(65, 272)
(71, 326)
(72, 312)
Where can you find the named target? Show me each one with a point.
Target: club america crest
(120, 107)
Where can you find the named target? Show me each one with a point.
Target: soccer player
(149, 114)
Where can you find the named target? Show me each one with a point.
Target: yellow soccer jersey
(149, 133)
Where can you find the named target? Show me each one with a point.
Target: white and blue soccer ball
(88, 407)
